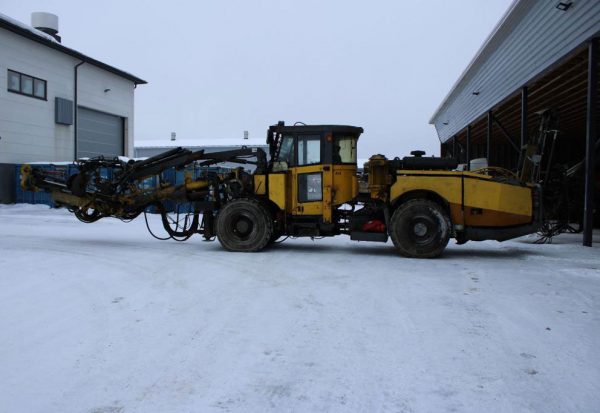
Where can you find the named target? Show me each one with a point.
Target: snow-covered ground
(103, 318)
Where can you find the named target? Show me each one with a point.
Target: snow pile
(103, 318)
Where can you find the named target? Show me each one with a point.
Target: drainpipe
(75, 109)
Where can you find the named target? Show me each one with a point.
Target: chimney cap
(43, 20)
(46, 22)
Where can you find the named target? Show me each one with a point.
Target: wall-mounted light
(445, 123)
(476, 93)
(106, 90)
(564, 5)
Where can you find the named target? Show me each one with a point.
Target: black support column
(468, 147)
(454, 147)
(488, 137)
(591, 137)
(524, 135)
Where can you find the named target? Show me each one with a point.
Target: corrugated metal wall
(535, 36)
(99, 134)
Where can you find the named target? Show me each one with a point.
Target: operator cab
(319, 162)
(303, 145)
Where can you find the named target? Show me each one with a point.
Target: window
(26, 85)
(309, 150)
(14, 81)
(39, 88)
(310, 187)
(344, 150)
(286, 151)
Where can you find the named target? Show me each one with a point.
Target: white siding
(27, 128)
(27, 125)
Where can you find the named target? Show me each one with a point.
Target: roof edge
(480, 52)
(5, 24)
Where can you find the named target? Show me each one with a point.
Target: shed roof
(38, 36)
(530, 39)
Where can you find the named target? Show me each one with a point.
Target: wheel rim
(422, 230)
(242, 226)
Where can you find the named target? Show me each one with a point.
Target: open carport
(541, 56)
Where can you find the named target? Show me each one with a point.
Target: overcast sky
(217, 68)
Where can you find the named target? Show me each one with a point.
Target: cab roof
(336, 129)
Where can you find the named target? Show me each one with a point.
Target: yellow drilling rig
(308, 187)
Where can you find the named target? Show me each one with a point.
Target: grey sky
(217, 68)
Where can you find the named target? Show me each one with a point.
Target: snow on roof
(28, 28)
(198, 143)
(25, 30)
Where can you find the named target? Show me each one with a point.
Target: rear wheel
(420, 228)
(244, 225)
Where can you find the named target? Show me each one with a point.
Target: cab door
(311, 195)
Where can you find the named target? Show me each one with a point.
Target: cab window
(310, 187)
(344, 149)
(286, 151)
(309, 150)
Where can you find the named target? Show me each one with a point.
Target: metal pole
(468, 147)
(524, 136)
(488, 140)
(590, 143)
(76, 112)
(454, 147)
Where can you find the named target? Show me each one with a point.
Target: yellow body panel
(260, 184)
(447, 185)
(277, 189)
(345, 184)
(482, 201)
(510, 199)
(339, 184)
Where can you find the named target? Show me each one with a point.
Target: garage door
(98, 134)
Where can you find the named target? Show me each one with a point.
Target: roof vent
(46, 22)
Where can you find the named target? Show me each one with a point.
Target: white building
(43, 82)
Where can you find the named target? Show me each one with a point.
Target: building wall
(28, 132)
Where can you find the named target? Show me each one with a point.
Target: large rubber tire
(244, 225)
(420, 228)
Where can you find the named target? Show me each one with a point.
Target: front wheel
(244, 225)
(420, 228)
